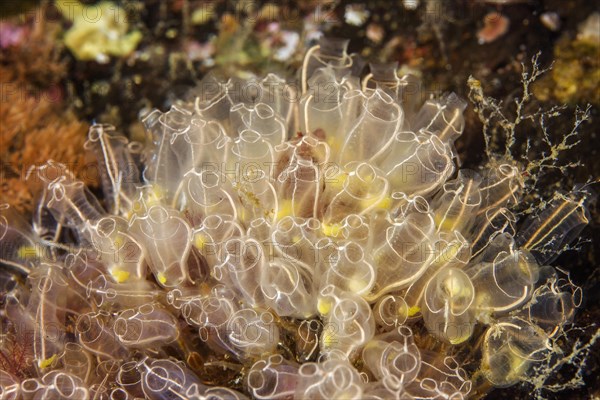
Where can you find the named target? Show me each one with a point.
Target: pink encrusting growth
(495, 25)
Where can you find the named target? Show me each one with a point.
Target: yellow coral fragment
(414, 310)
(119, 275)
(119, 242)
(323, 306)
(98, 31)
(331, 230)
(47, 362)
(329, 340)
(385, 203)
(154, 195)
(199, 241)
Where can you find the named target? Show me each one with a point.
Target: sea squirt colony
(289, 242)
